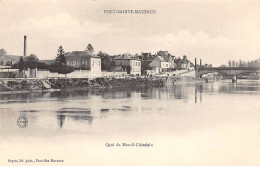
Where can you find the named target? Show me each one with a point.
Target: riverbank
(44, 85)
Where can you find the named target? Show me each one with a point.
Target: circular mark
(22, 121)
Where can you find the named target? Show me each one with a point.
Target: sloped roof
(161, 59)
(12, 57)
(80, 54)
(163, 52)
(181, 61)
(126, 57)
(146, 54)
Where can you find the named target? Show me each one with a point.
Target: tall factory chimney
(24, 46)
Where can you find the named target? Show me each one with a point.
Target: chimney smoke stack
(24, 46)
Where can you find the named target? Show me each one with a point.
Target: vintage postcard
(129, 83)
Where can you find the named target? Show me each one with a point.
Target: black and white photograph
(129, 83)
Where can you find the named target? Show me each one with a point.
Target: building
(146, 57)
(128, 63)
(167, 57)
(160, 65)
(9, 60)
(84, 60)
(183, 63)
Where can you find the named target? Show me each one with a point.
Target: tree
(31, 65)
(60, 59)
(90, 49)
(32, 57)
(100, 54)
(59, 64)
(233, 63)
(2, 52)
(21, 64)
(229, 63)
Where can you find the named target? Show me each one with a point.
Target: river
(185, 124)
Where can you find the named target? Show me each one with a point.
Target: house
(9, 60)
(160, 65)
(84, 60)
(146, 57)
(167, 57)
(183, 63)
(128, 63)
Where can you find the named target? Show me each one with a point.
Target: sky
(214, 31)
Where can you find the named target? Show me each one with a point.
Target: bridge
(225, 71)
(228, 71)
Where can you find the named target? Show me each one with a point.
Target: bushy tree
(106, 61)
(31, 65)
(32, 57)
(61, 69)
(2, 52)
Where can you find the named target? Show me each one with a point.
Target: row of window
(165, 65)
(76, 63)
(136, 64)
(84, 62)
(93, 63)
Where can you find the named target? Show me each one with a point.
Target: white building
(128, 64)
(159, 65)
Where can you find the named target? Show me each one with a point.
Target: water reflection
(61, 119)
(185, 92)
(81, 108)
(179, 91)
(252, 87)
(78, 118)
(200, 89)
(76, 114)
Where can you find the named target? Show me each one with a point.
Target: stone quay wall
(30, 85)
